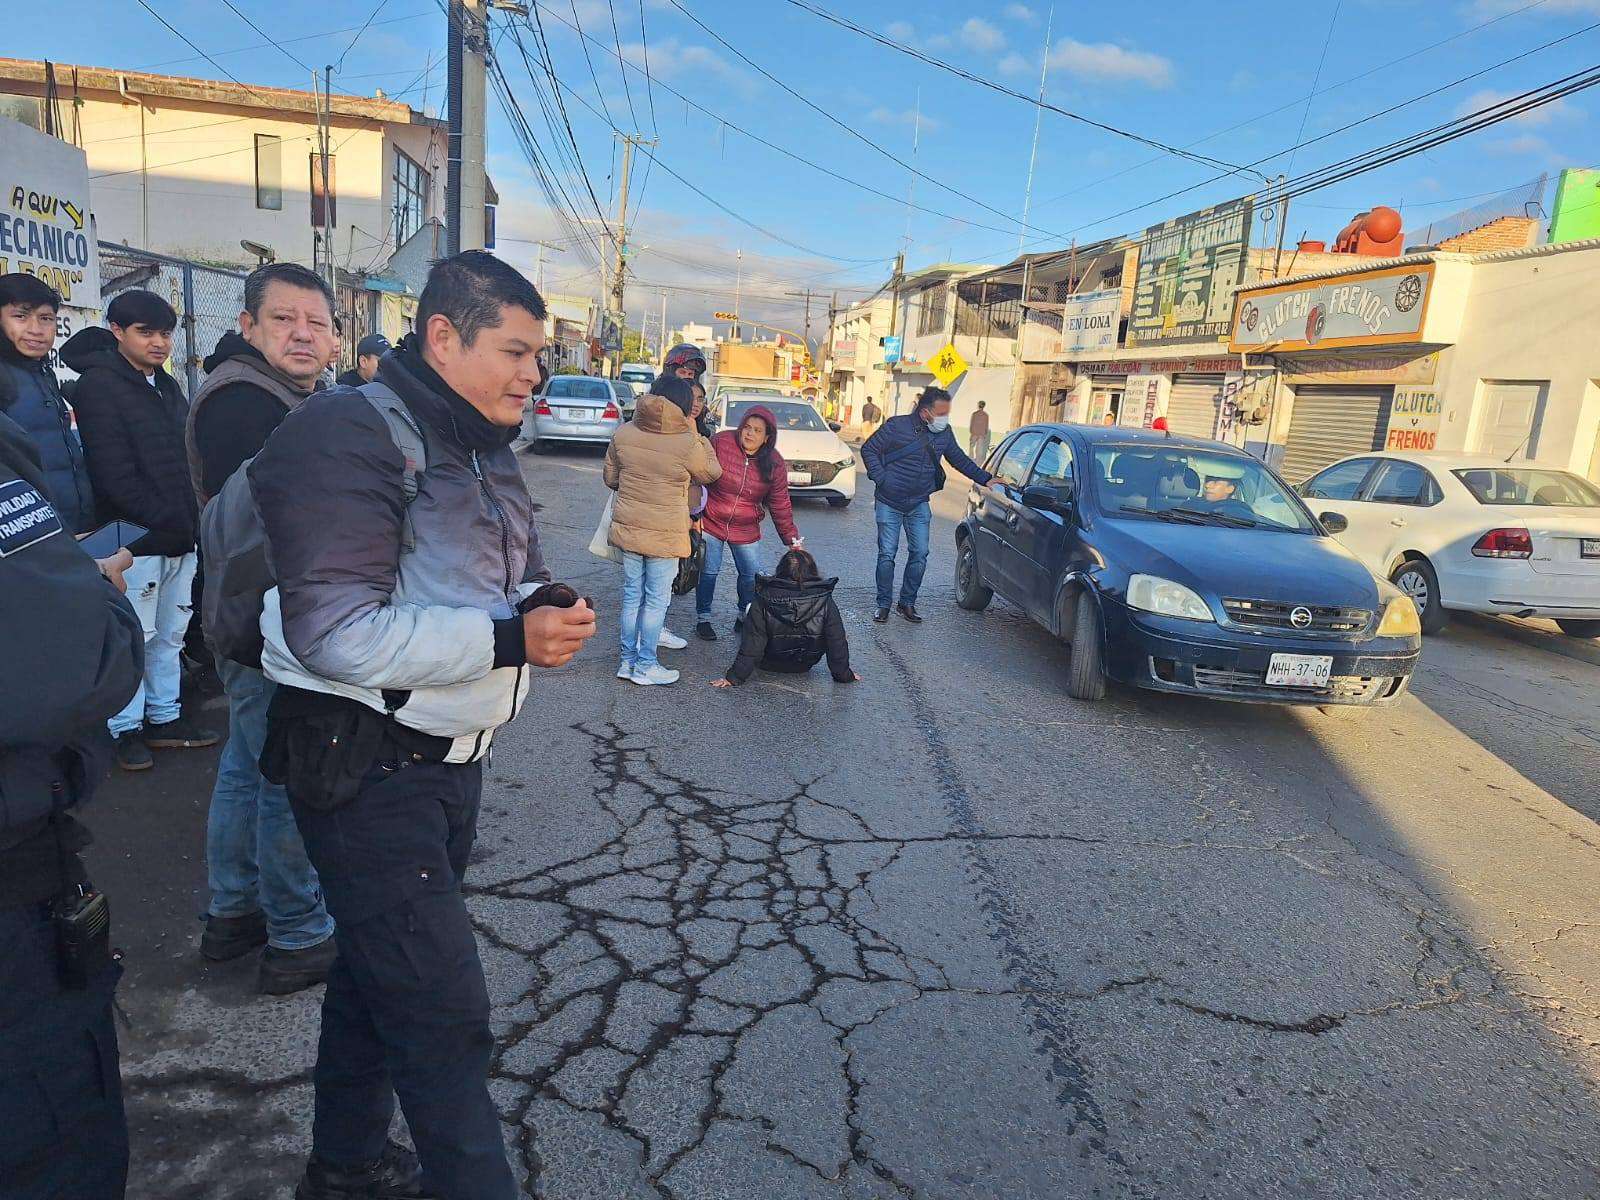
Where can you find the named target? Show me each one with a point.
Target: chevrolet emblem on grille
(1300, 618)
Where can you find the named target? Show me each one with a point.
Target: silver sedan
(573, 408)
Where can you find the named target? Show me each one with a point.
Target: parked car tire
(1086, 677)
(971, 594)
(839, 501)
(1575, 628)
(540, 446)
(1415, 577)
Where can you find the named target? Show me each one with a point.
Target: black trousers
(406, 1011)
(63, 1134)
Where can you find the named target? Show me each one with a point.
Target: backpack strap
(407, 433)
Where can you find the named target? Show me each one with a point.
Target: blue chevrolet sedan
(1181, 565)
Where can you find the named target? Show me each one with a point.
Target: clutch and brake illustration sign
(1370, 309)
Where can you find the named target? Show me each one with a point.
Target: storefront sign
(1414, 419)
(45, 229)
(1161, 366)
(1143, 401)
(892, 346)
(1373, 308)
(1089, 321)
(1188, 270)
(1361, 368)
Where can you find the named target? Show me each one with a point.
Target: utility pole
(894, 312)
(464, 178)
(1038, 116)
(1283, 222)
(619, 275)
(738, 287)
(663, 346)
(538, 262)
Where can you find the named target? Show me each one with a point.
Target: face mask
(939, 424)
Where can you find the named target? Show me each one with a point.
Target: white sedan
(820, 464)
(1470, 532)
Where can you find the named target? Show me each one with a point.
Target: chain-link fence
(207, 299)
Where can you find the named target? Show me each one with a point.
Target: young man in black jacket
(130, 417)
(73, 654)
(368, 351)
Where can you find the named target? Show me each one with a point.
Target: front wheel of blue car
(971, 594)
(1086, 676)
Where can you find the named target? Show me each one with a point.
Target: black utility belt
(322, 749)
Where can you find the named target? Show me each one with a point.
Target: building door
(1194, 404)
(1105, 399)
(1329, 423)
(1512, 415)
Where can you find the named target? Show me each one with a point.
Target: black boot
(229, 937)
(704, 632)
(395, 1176)
(284, 972)
(881, 617)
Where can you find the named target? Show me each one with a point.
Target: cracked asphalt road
(947, 933)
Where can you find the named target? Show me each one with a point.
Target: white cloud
(1526, 143)
(672, 59)
(977, 34)
(1022, 13)
(1015, 64)
(908, 117)
(900, 31)
(1535, 118)
(1102, 60)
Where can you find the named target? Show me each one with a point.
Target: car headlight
(1153, 594)
(845, 462)
(1400, 619)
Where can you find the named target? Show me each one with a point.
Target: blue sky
(1179, 73)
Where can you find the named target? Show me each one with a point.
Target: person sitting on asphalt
(754, 483)
(131, 415)
(793, 622)
(368, 351)
(905, 461)
(264, 891)
(400, 636)
(650, 464)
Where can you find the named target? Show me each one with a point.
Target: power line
(1316, 78)
(972, 77)
(370, 16)
(178, 33)
(583, 44)
(853, 132)
(305, 37)
(233, 8)
(787, 153)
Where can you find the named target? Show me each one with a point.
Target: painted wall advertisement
(1188, 270)
(1414, 419)
(1089, 321)
(45, 228)
(1375, 308)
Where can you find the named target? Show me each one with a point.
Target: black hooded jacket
(790, 627)
(133, 440)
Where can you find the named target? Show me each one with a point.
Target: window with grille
(269, 172)
(410, 196)
(931, 310)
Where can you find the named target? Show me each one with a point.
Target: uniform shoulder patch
(26, 517)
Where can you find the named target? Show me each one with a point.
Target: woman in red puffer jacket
(755, 479)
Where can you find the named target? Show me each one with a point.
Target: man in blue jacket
(905, 460)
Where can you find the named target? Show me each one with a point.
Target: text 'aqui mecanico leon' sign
(45, 229)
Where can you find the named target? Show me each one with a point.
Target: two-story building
(856, 370)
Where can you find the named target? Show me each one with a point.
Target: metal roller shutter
(1330, 422)
(1193, 404)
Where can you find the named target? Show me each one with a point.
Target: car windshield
(789, 415)
(1199, 487)
(576, 387)
(1537, 486)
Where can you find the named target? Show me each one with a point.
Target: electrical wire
(370, 17)
(847, 128)
(972, 77)
(305, 37)
(178, 33)
(234, 8)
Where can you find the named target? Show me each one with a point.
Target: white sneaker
(669, 640)
(650, 676)
(625, 671)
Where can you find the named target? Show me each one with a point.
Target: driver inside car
(1177, 482)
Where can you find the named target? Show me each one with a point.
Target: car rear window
(1536, 486)
(575, 387)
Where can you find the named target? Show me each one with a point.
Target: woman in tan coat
(650, 464)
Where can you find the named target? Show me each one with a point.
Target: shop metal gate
(1329, 423)
(1193, 405)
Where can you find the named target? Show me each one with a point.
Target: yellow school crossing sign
(948, 365)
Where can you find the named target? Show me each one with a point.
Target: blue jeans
(646, 592)
(745, 561)
(916, 524)
(158, 589)
(254, 856)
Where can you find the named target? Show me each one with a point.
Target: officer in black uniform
(71, 655)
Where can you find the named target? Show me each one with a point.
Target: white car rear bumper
(1493, 585)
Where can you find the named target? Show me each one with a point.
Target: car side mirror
(1334, 522)
(1046, 498)
(835, 426)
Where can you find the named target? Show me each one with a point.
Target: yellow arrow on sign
(72, 211)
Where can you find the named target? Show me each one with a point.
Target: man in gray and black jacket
(411, 603)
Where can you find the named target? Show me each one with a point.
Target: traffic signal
(725, 316)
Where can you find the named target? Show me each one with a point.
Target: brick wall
(1502, 233)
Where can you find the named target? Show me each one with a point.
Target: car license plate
(1300, 670)
(1590, 547)
(800, 477)
(577, 414)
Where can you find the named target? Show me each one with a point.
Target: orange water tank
(1375, 233)
(1311, 246)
